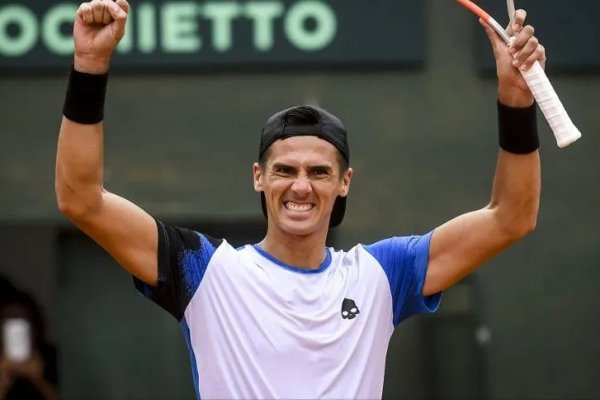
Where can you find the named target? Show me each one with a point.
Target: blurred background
(414, 83)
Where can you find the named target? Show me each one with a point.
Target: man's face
(301, 179)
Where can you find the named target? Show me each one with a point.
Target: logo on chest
(349, 309)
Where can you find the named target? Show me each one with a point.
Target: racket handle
(563, 128)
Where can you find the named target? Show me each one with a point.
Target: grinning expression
(301, 179)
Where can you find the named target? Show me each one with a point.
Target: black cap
(326, 126)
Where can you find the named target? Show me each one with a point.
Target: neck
(307, 251)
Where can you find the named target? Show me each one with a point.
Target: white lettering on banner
(221, 14)
(180, 28)
(174, 27)
(146, 28)
(262, 14)
(54, 39)
(22, 18)
(145, 15)
(324, 18)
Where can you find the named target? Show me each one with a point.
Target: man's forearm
(79, 167)
(516, 192)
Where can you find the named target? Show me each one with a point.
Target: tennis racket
(563, 128)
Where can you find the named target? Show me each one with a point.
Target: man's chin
(299, 228)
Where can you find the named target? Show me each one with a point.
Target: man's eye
(283, 170)
(320, 172)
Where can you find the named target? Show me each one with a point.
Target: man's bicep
(461, 245)
(128, 233)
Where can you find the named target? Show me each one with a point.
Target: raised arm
(123, 229)
(461, 245)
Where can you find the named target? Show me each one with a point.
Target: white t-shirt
(257, 328)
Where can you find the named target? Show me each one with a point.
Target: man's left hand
(524, 51)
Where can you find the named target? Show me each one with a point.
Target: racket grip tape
(563, 128)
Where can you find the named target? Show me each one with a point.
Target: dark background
(181, 143)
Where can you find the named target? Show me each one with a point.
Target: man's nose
(302, 185)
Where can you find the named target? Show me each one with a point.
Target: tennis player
(289, 317)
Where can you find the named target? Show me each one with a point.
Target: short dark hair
(304, 116)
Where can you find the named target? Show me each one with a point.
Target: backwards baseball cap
(319, 123)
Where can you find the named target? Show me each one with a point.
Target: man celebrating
(289, 317)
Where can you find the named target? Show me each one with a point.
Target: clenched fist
(99, 26)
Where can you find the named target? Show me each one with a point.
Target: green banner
(221, 33)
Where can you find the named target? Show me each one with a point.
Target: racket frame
(561, 125)
(510, 7)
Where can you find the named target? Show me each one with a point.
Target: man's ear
(346, 178)
(257, 177)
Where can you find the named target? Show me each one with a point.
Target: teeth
(298, 207)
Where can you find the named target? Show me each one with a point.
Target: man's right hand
(99, 26)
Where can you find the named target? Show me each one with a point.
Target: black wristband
(84, 102)
(517, 129)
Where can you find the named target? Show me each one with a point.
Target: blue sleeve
(404, 261)
(183, 256)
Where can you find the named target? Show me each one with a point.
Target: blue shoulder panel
(404, 261)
